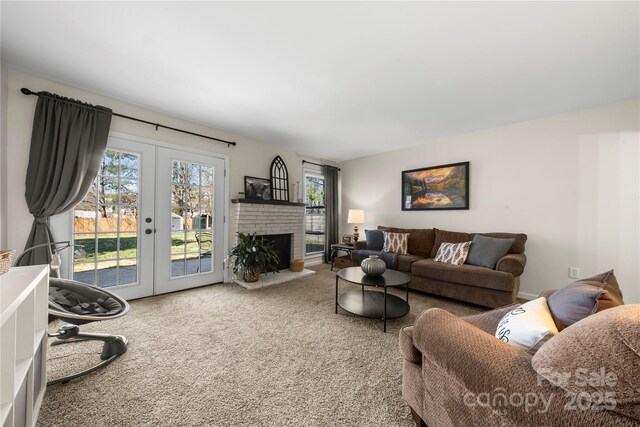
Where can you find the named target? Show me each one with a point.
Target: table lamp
(356, 216)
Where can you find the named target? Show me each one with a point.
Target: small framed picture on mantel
(257, 188)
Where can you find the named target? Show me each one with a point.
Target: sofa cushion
(527, 326)
(395, 242)
(604, 349)
(394, 229)
(472, 275)
(585, 297)
(486, 251)
(443, 236)
(405, 261)
(421, 242)
(518, 245)
(375, 239)
(420, 239)
(453, 253)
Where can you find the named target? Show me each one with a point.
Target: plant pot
(373, 266)
(251, 275)
(296, 265)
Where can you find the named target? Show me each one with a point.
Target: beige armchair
(456, 373)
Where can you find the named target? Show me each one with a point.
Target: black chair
(78, 303)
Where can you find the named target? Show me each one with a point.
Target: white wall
(3, 156)
(247, 158)
(570, 182)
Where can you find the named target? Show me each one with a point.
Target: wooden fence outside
(105, 225)
(109, 225)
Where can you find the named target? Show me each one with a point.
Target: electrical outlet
(574, 272)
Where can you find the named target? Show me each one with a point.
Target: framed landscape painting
(436, 188)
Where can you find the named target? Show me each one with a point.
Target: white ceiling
(331, 79)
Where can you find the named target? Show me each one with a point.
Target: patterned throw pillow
(396, 242)
(453, 253)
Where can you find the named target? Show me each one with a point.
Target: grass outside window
(107, 254)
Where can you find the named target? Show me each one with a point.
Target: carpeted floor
(225, 356)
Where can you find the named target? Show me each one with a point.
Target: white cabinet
(24, 295)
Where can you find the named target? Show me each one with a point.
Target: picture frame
(257, 188)
(346, 239)
(436, 188)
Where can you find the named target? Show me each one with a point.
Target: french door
(152, 222)
(111, 249)
(190, 211)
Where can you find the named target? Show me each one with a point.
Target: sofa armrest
(512, 263)
(462, 362)
(407, 347)
(465, 349)
(360, 244)
(475, 377)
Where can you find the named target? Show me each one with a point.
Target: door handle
(147, 220)
(148, 231)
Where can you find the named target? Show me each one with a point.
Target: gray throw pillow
(375, 239)
(574, 302)
(486, 251)
(582, 298)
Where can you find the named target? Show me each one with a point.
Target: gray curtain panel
(331, 207)
(67, 144)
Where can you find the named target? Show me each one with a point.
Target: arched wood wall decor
(279, 180)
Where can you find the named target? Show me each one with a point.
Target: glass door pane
(190, 215)
(192, 192)
(106, 224)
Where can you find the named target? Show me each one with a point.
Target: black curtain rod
(317, 164)
(26, 91)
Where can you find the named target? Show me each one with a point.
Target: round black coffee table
(373, 304)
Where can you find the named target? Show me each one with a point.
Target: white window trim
(310, 256)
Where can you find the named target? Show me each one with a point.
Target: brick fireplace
(270, 218)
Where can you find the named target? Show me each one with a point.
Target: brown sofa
(470, 283)
(456, 373)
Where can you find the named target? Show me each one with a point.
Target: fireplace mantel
(267, 202)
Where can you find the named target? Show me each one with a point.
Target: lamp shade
(356, 216)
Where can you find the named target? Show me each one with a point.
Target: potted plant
(252, 256)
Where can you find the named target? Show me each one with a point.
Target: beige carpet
(225, 356)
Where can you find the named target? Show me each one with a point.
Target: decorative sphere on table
(373, 266)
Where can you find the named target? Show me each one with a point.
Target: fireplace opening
(282, 245)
